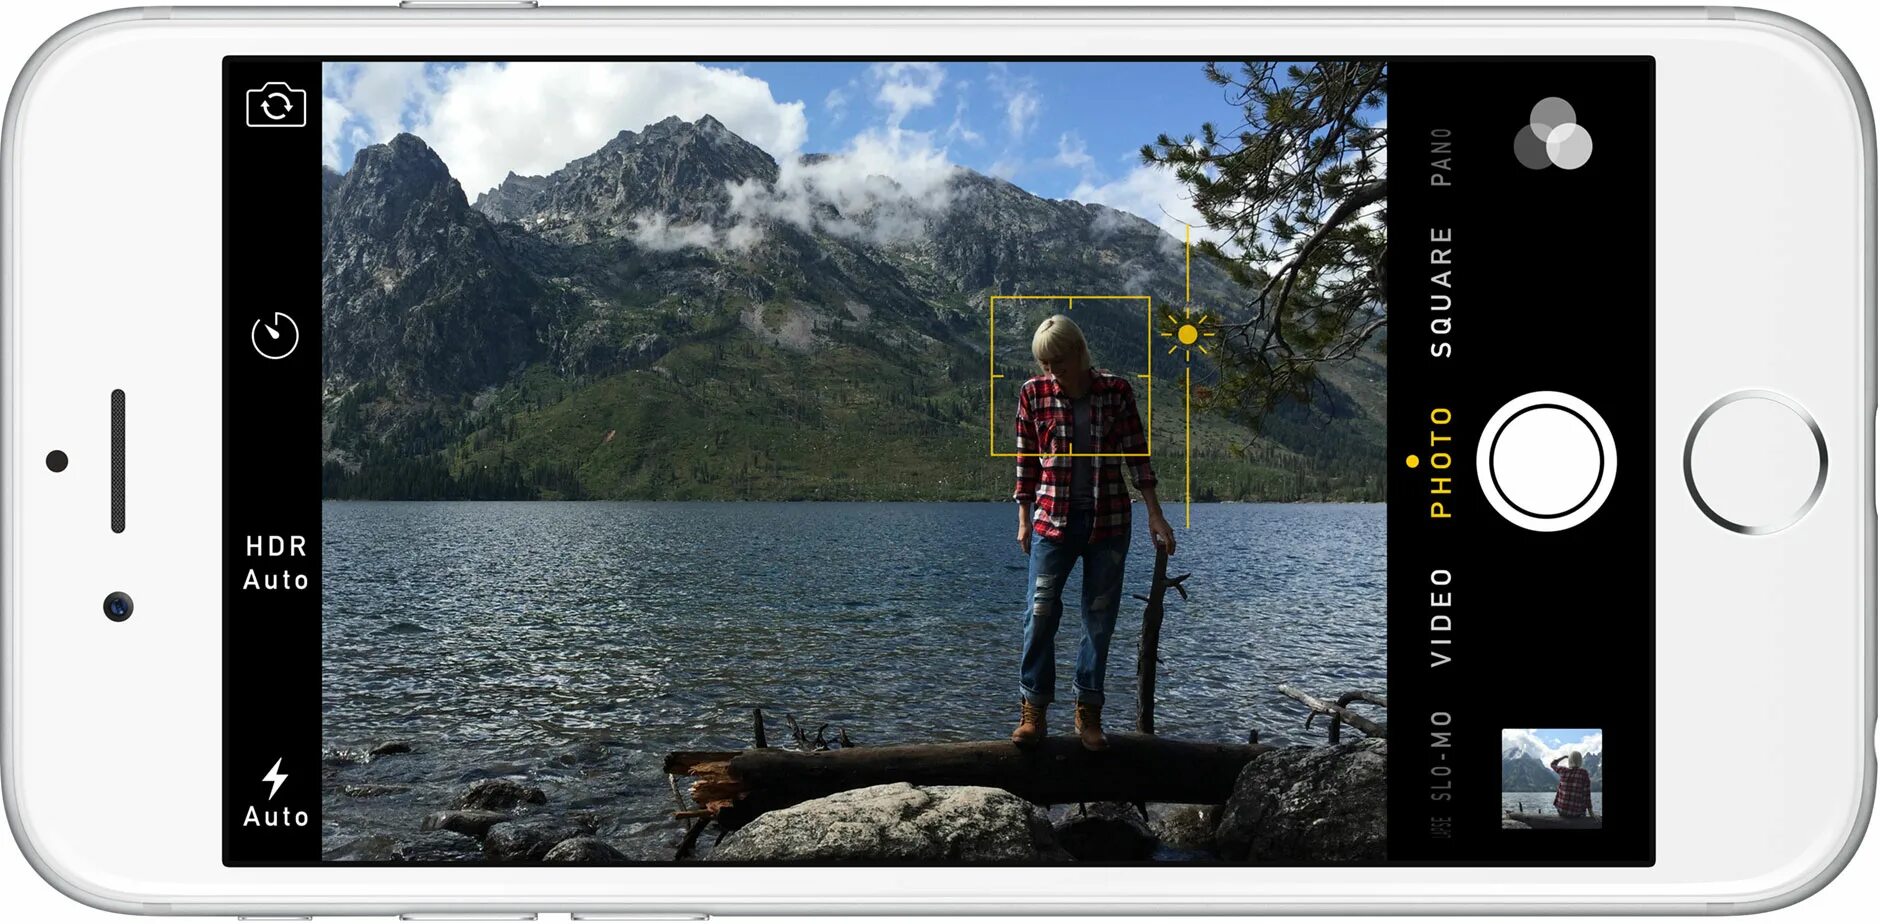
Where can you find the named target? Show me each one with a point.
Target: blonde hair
(1059, 338)
(1575, 760)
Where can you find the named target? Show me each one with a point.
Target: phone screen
(938, 462)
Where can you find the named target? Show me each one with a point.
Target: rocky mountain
(418, 290)
(672, 171)
(800, 311)
(1522, 771)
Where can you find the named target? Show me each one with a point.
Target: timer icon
(276, 337)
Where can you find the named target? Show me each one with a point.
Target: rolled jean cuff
(1032, 697)
(1089, 697)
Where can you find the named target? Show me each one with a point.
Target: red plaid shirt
(1044, 468)
(1575, 795)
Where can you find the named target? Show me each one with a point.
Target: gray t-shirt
(1083, 440)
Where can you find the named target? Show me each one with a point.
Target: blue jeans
(1051, 564)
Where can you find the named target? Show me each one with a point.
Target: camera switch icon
(276, 105)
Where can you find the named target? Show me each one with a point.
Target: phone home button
(1755, 462)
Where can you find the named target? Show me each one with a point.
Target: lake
(1542, 803)
(575, 644)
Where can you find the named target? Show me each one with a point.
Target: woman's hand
(1024, 537)
(1161, 534)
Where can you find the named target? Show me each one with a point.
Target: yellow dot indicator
(1188, 334)
(1412, 461)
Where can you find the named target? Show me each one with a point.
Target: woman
(1573, 797)
(1077, 426)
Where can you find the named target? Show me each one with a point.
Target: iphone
(681, 461)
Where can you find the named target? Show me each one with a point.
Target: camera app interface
(937, 462)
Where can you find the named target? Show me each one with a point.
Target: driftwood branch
(1338, 711)
(1151, 641)
(740, 785)
(692, 833)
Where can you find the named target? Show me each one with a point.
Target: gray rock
(897, 821)
(1188, 827)
(370, 848)
(499, 795)
(370, 790)
(1308, 805)
(1106, 831)
(469, 822)
(440, 847)
(583, 850)
(528, 838)
(1509, 824)
(386, 748)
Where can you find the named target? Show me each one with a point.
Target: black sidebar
(270, 490)
(1521, 591)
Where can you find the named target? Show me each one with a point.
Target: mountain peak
(673, 170)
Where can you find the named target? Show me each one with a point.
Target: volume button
(468, 4)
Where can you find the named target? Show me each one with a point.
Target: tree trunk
(1151, 642)
(1147, 647)
(740, 785)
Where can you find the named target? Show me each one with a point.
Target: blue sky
(1107, 110)
(1058, 129)
(1561, 737)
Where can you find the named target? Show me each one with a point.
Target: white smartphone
(730, 422)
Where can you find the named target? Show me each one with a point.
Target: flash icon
(276, 777)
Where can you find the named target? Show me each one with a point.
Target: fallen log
(740, 785)
(1555, 822)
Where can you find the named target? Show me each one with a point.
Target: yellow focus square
(993, 375)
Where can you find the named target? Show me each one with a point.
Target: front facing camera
(118, 606)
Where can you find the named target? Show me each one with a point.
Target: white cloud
(486, 118)
(1022, 103)
(374, 100)
(884, 185)
(1527, 741)
(905, 86)
(837, 104)
(1072, 153)
(959, 130)
(1021, 111)
(654, 232)
(1152, 192)
(333, 117)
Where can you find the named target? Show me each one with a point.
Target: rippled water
(1542, 803)
(574, 644)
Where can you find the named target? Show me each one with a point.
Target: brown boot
(1090, 727)
(1030, 728)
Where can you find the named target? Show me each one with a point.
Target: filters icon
(1553, 137)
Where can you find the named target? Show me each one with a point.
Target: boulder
(499, 795)
(528, 839)
(440, 847)
(370, 790)
(583, 850)
(387, 748)
(1308, 805)
(1187, 827)
(1105, 831)
(468, 822)
(1510, 824)
(898, 821)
